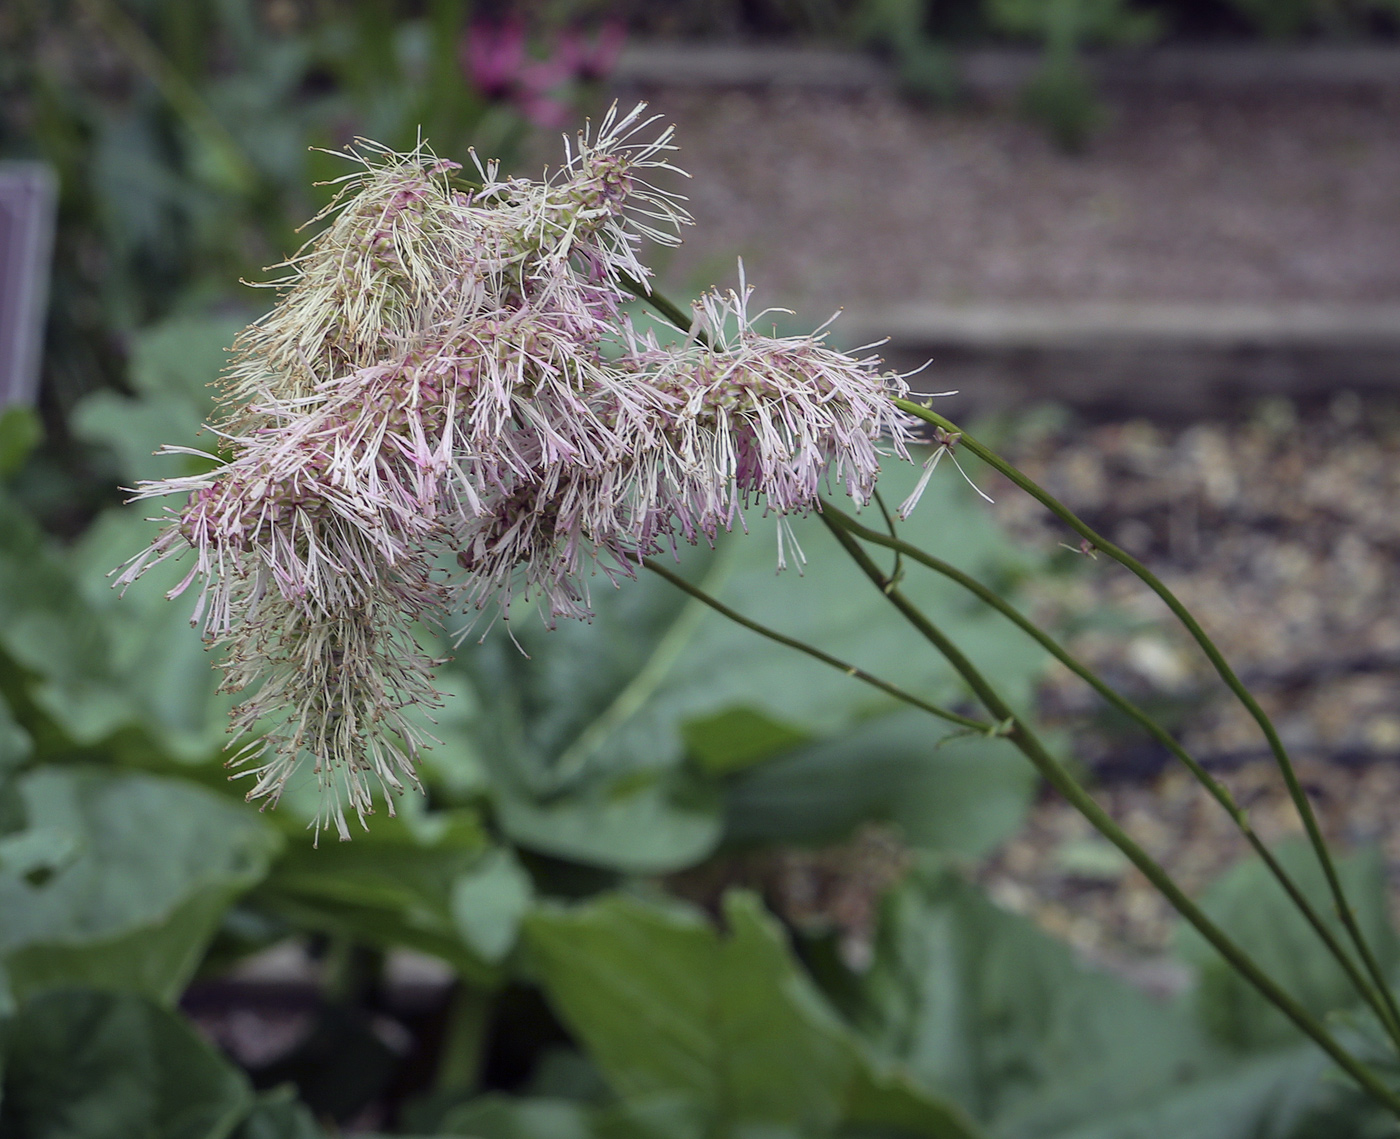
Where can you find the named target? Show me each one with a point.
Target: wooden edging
(995, 72)
(1170, 361)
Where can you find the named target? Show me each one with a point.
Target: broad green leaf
(586, 731)
(1254, 911)
(46, 629)
(134, 875)
(489, 903)
(388, 887)
(1262, 1099)
(732, 741)
(985, 1008)
(92, 1065)
(641, 822)
(668, 1007)
(963, 797)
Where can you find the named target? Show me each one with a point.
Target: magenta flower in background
(590, 59)
(496, 60)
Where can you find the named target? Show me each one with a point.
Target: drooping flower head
(449, 374)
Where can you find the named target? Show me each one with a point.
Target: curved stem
(1222, 668)
(1217, 790)
(1059, 777)
(663, 304)
(816, 653)
(896, 574)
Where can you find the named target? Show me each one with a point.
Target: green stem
(1059, 777)
(826, 658)
(1217, 790)
(896, 574)
(1222, 668)
(674, 314)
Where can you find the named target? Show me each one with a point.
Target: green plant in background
(1061, 96)
(926, 64)
(1288, 19)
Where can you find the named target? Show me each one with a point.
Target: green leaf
(1262, 1099)
(94, 1065)
(46, 629)
(585, 737)
(163, 669)
(278, 1114)
(987, 1009)
(982, 1006)
(964, 797)
(391, 886)
(737, 739)
(124, 882)
(489, 903)
(669, 1008)
(1252, 908)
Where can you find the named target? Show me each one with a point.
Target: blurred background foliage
(566, 865)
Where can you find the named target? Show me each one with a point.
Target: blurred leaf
(1262, 1099)
(538, 1117)
(388, 887)
(172, 367)
(46, 630)
(278, 1114)
(964, 797)
(1252, 908)
(93, 1065)
(489, 903)
(733, 740)
(164, 670)
(20, 433)
(131, 877)
(585, 737)
(668, 1007)
(15, 744)
(984, 1007)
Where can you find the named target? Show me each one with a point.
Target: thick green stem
(816, 653)
(1217, 790)
(1059, 777)
(1222, 668)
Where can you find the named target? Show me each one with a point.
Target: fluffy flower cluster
(450, 371)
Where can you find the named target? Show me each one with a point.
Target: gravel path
(836, 201)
